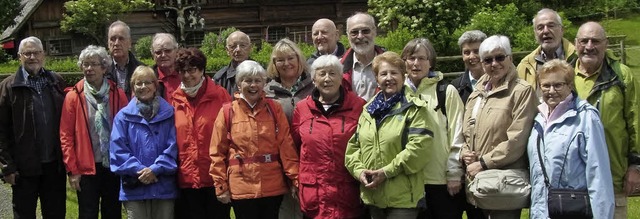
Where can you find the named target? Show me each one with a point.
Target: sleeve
(352, 154)
(598, 170)
(295, 126)
(288, 153)
(455, 110)
(165, 163)
(523, 112)
(420, 140)
(6, 132)
(632, 113)
(68, 132)
(122, 161)
(219, 151)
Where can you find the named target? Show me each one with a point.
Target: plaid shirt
(37, 82)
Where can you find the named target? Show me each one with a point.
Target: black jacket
(316, 54)
(131, 66)
(463, 84)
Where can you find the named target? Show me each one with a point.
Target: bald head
(591, 45)
(325, 36)
(238, 47)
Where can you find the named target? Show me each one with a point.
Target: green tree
(143, 47)
(91, 17)
(11, 10)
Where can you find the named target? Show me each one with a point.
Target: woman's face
(287, 65)
(327, 81)
(93, 70)
(251, 88)
(496, 64)
(418, 64)
(390, 79)
(554, 88)
(470, 56)
(145, 88)
(191, 76)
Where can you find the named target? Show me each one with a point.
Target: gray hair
(123, 24)
(236, 33)
(249, 68)
(95, 51)
(544, 11)
(31, 39)
(327, 61)
(471, 36)
(372, 20)
(158, 36)
(493, 43)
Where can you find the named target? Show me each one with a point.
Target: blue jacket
(587, 161)
(136, 144)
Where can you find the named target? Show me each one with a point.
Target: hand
(372, 178)
(474, 168)
(294, 192)
(631, 181)
(146, 176)
(469, 157)
(11, 178)
(225, 198)
(74, 181)
(453, 186)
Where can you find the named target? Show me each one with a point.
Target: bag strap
(544, 172)
(441, 94)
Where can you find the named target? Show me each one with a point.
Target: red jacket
(327, 190)
(77, 149)
(347, 69)
(194, 125)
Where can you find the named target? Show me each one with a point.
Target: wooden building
(268, 20)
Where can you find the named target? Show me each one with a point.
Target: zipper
(311, 125)
(342, 124)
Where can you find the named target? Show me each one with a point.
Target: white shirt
(364, 82)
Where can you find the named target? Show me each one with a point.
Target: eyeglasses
(498, 58)
(239, 45)
(594, 41)
(556, 86)
(414, 59)
(354, 33)
(190, 70)
(162, 51)
(91, 64)
(141, 84)
(31, 53)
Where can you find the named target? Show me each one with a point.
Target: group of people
(346, 133)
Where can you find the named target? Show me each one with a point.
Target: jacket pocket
(308, 194)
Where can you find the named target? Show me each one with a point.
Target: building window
(300, 34)
(274, 34)
(193, 38)
(59, 46)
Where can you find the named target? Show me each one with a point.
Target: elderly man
(30, 153)
(164, 49)
(611, 87)
(358, 73)
(238, 48)
(124, 62)
(325, 38)
(547, 26)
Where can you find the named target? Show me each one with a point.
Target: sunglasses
(489, 60)
(362, 31)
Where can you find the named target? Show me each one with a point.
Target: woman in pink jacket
(322, 125)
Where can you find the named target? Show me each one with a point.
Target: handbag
(496, 189)
(565, 203)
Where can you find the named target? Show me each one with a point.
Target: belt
(265, 158)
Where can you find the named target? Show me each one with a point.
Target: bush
(396, 39)
(4, 56)
(143, 47)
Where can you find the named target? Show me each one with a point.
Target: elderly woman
(444, 171)
(85, 128)
(322, 125)
(493, 143)
(392, 144)
(469, 44)
(570, 135)
(252, 150)
(197, 103)
(143, 150)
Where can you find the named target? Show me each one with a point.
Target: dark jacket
(317, 54)
(347, 69)
(131, 66)
(463, 84)
(18, 149)
(226, 77)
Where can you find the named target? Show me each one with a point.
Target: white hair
(249, 68)
(95, 51)
(493, 43)
(32, 40)
(327, 61)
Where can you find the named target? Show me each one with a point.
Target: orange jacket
(194, 125)
(254, 134)
(77, 149)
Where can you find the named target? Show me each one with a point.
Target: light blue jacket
(587, 161)
(137, 143)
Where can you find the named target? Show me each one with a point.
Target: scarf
(99, 100)
(148, 110)
(379, 108)
(192, 91)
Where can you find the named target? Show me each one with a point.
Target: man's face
(548, 31)
(325, 37)
(119, 42)
(31, 58)
(361, 34)
(591, 45)
(164, 53)
(238, 47)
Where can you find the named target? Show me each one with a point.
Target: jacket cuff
(483, 164)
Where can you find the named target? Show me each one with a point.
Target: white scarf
(192, 91)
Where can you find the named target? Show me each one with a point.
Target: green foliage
(214, 44)
(396, 39)
(91, 17)
(143, 47)
(4, 57)
(10, 8)
(263, 54)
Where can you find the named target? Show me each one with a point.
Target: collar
(355, 61)
(583, 74)
(25, 74)
(315, 96)
(559, 53)
(115, 63)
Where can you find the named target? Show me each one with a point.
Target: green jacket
(398, 147)
(528, 65)
(615, 95)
